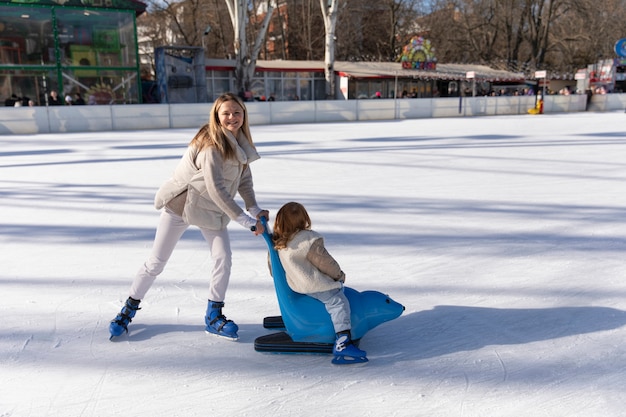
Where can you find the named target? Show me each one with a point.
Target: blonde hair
(213, 133)
(290, 219)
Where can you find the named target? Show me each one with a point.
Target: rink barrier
(61, 119)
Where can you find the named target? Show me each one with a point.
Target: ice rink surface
(504, 238)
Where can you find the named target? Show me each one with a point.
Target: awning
(381, 70)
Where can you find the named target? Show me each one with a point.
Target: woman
(201, 192)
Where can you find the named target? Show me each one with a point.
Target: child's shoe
(120, 323)
(217, 323)
(346, 352)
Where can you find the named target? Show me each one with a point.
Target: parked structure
(82, 46)
(304, 80)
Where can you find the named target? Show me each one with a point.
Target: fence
(60, 119)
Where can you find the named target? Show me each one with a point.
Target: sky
(503, 237)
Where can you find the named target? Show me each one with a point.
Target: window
(306, 90)
(96, 38)
(26, 38)
(274, 88)
(68, 50)
(218, 83)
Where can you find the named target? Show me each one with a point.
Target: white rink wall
(35, 120)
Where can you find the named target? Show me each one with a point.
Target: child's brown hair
(290, 219)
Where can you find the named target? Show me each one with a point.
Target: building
(90, 47)
(86, 47)
(304, 80)
(417, 75)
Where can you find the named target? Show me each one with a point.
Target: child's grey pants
(337, 306)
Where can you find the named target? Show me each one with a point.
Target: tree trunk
(329, 12)
(245, 59)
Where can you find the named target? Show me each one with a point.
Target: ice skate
(218, 324)
(120, 323)
(346, 352)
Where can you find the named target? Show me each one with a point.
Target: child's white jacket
(303, 276)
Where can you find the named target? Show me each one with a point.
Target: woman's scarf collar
(244, 151)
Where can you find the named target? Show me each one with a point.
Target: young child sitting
(311, 270)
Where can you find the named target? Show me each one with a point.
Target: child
(311, 270)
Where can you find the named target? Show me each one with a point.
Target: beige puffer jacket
(204, 184)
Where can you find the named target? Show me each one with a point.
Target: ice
(504, 238)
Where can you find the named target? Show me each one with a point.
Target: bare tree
(245, 56)
(445, 27)
(587, 33)
(401, 17)
(179, 23)
(304, 30)
(185, 23)
(542, 14)
(525, 35)
(329, 12)
(518, 35)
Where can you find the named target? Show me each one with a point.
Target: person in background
(201, 192)
(53, 99)
(10, 102)
(79, 101)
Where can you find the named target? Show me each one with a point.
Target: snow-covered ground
(504, 237)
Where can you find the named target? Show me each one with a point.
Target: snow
(503, 237)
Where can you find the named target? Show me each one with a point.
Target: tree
(245, 57)
(542, 14)
(304, 30)
(517, 35)
(177, 23)
(375, 30)
(329, 12)
(401, 18)
(588, 33)
(526, 35)
(185, 23)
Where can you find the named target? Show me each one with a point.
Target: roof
(380, 69)
(136, 5)
(276, 65)
(443, 71)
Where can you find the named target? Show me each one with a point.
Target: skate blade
(223, 336)
(114, 338)
(349, 360)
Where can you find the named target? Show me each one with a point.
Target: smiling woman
(201, 192)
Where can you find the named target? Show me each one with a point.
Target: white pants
(337, 306)
(169, 231)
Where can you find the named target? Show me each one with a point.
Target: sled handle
(266, 233)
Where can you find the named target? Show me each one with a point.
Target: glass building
(80, 49)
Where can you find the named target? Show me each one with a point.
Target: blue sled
(307, 325)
